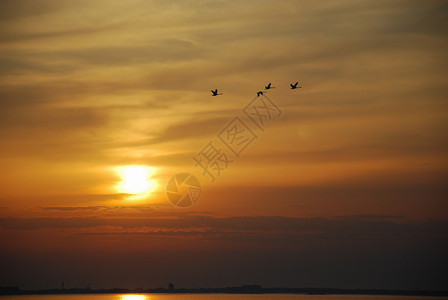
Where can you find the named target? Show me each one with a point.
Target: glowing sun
(136, 180)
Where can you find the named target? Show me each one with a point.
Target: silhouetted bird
(268, 87)
(215, 92)
(259, 93)
(294, 86)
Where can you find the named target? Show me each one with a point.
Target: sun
(136, 180)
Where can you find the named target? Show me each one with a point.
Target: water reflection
(134, 297)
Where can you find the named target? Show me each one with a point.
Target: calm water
(212, 297)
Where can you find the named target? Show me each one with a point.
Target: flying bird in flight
(215, 92)
(259, 93)
(294, 86)
(268, 87)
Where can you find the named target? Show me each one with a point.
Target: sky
(103, 102)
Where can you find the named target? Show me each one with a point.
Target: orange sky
(89, 86)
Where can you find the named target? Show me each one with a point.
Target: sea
(213, 297)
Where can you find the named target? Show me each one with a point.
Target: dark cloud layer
(341, 228)
(282, 251)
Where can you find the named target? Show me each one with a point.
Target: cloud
(259, 228)
(75, 208)
(78, 59)
(12, 9)
(7, 37)
(165, 50)
(192, 128)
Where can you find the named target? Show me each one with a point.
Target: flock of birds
(267, 87)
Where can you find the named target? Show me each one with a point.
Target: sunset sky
(346, 188)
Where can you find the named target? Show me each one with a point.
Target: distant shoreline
(245, 289)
